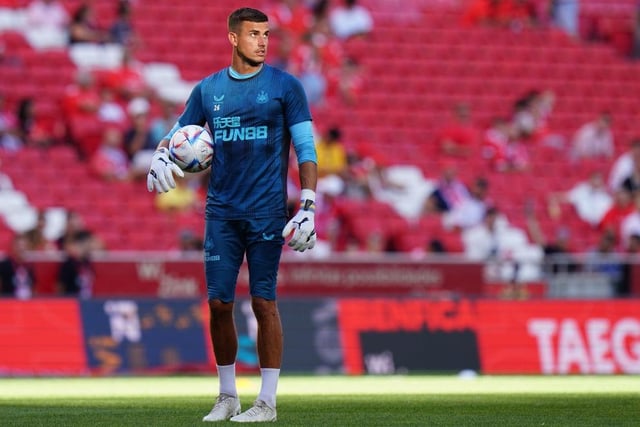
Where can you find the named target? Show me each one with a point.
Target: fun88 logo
(230, 129)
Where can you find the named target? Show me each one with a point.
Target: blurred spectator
(139, 143)
(162, 124)
(76, 275)
(435, 246)
(524, 116)
(182, 198)
(306, 63)
(449, 193)
(471, 210)
(320, 17)
(495, 143)
(282, 44)
(380, 183)
(350, 20)
(328, 192)
(460, 137)
(509, 255)
(31, 130)
(624, 165)
(633, 247)
(632, 182)
(633, 250)
(622, 206)
(127, 80)
(332, 154)
(121, 30)
(594, 140)
(542, 107)
(503, 13)
(403, 188)
(17, 275)
(556, 250)
(82, 97)
(291, 16)
(347, 82)
(531, 114)
(110, 161)
(503, 149)
(605, 259)
(111, 111)
(7, 115)
(590, 199)
(482, 241)
(75, 224)
(565, 14)
(36, 238)
(8, 139)
(83, 27)
(189, 241)
(356, 182)
(630, 224)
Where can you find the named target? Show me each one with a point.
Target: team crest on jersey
(218, 101)
(262, 97)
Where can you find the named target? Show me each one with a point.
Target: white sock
(269, 386)
(227, 379)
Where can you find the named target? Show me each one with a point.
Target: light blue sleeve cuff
(173, 130)
(302, 136)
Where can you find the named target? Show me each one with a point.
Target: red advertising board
(532, 337)
(184, 278)
(358, 316)
(352, 335)
(559, 337)
(41, 337)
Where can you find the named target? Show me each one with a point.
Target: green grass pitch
(412, 400)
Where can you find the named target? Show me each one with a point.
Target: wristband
(308, 205)
(308, 200)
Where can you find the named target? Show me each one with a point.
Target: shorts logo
(212, 258)
(266, 236)
(262, 97)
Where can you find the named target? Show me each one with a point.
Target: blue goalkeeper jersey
(249, 120)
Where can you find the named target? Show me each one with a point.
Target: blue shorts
(227, 242)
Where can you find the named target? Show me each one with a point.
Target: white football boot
(260, 412)
(225, 407)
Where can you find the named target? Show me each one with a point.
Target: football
(191, 148)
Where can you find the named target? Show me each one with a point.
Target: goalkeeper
(254, 112)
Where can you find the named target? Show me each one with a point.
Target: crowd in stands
(115, 120)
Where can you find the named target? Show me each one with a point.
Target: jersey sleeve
(193, 113)
(296, 104)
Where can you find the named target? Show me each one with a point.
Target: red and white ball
(191, 148)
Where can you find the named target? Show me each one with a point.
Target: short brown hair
(245, 14)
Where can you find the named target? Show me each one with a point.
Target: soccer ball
(191, 148)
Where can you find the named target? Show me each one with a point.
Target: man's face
(251, 41)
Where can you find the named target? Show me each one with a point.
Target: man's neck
(246, 73)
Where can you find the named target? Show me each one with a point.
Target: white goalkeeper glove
(161, 172)
(302, 224)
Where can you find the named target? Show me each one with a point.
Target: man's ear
(233, 39)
